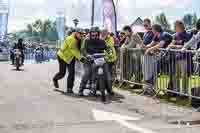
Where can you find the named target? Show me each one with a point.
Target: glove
(90, 59)
(83, 59)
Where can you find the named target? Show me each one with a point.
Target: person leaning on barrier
(148, 36)
(67, 56)
(161, 39)
(195, 40)
(149, 63)
(180, 63)
(133, 40)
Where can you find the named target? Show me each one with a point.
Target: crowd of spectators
(177, 61)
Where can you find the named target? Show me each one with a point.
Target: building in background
(137, 25)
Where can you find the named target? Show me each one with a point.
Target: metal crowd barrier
(170, 71)
(47, 55)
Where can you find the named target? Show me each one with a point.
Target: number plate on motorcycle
(99, 61)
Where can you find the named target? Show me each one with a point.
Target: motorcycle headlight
(100, 71)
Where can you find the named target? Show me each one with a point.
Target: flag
(109, 15)
(60, 26)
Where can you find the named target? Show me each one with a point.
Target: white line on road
(122, 120)
(134, 127)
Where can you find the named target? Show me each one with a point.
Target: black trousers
(109, 77)
(63, 66)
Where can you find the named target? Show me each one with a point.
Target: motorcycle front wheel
(101, 83)
(17, 63)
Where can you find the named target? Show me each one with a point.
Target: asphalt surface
(30, 104)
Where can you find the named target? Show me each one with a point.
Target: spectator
(161, 39)
(133, 40)
(148, 36)
(122, 38)
(149, 65)
(116, 40)
(195, 41)
(180, 63)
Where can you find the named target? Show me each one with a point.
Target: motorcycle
(98, 79)
(17, 59)
(38, 56)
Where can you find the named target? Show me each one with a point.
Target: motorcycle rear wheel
(102, 88)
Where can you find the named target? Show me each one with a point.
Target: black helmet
(20, 40)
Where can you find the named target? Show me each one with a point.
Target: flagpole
(115, 16)
(92, 16)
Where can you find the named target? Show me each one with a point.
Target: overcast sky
(26, 11)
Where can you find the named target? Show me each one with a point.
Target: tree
(40, 31)
(46, 26)
(194, 20)
(162, 20)
(52, 34)
(188, 20)
(29, 29)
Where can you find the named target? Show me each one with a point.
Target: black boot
(70, 91)
(55, 82)
(80, 93)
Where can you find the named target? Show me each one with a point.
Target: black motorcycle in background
(38, 56)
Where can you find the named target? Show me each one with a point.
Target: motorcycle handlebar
(97, 55)
(94, 56)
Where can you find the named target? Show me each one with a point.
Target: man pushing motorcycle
(93, 45)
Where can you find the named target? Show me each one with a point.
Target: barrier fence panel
(46, 56)
(172, 71)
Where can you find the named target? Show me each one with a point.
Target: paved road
(29, 104)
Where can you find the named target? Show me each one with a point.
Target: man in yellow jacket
(67, 56)
(105, 35)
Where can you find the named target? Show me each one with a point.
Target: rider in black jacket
(21, 47)
(92, 45)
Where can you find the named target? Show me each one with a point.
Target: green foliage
(162, 20)
(190, 20)
(39, 30)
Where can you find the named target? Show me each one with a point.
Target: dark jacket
(19, 46)
(94, 46)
